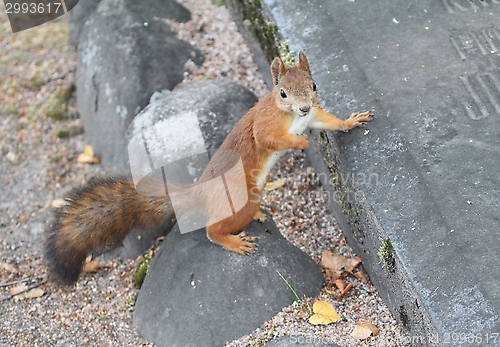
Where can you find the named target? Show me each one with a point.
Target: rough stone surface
(125, 53)
(426, 173)
(300, 341)
(218, 107)
(78, 15)
(198, 294)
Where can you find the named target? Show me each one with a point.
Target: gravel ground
(40, 138)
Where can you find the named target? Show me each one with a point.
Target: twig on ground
(5, 284)
(35, 285)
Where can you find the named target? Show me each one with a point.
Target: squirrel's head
(294, 88)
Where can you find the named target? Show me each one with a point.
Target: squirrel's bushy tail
(96, 218)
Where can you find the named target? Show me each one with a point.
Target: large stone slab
(426, 174)
(198, 294)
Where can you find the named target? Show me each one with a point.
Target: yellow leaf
(324, 313)
(87, 157)
(275, 185)
(88, 150)
(91, 266)
(363, 330)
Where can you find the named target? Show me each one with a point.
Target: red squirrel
(99, 215)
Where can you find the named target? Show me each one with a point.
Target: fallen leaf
(333, 275)
(324, 313)
(17, 289)
(32, 293)
(87, 157)
(343, 287)
(363, 330)
(339, 263)
(58, 203)
(338, 266)
(91, 266)
(275, 185)
(361, 275)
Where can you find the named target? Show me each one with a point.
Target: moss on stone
(260, 27)
(142, 269)
(285, 54)
(385, 254)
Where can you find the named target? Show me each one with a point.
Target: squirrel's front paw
(358, 119)
(240, 243)
(245, 244)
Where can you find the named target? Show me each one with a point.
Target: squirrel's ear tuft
(303, 62)
(277, 69)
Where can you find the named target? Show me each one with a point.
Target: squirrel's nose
(305, 109)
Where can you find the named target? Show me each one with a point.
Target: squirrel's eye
(282, 93)
(314, 87)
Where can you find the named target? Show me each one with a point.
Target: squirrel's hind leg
(260, 216)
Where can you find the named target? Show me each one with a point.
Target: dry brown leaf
(361, 275)
(338, 266)
(343, 287)
(275, 185)
(363, 330)
(91, 266)
(87, 157)
(334, 275)
(339, 263)
(32, 293)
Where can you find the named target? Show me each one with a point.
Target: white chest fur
(297, 127)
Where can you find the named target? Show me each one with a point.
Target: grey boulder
(198, 294)
(209, 108)
(126, 52)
